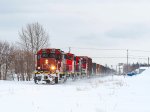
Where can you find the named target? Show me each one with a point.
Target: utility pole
(116, 70)
(69, 49)
(119, 70)
(148, 61)
(127, 60)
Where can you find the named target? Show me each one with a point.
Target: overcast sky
(103, 24)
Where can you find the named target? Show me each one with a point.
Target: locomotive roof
(69, 53)
(84, 57)
(49, 49)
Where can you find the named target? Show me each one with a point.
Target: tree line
(17, 61)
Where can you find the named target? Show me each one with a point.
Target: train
(54, 65)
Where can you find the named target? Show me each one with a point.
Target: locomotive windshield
(51, 55)
(68, 57)
(38, 56)
(44, 55)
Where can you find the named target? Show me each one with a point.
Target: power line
(121, 57)
(98, 49)
(134, 50)
(139, 50)
(127, 51)
(108, 57)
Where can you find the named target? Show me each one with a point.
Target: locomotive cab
(69, 64)
(86, 66)
(48, 66)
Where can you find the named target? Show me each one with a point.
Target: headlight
(53, 67)
(46, 61)
(38, 68)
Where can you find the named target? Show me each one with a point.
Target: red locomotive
(69, 64)
(86, 65)
(49, 65)
(53, 66)
(78, 64)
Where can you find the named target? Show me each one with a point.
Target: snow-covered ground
(104, 94)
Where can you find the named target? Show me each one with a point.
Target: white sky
(82, 23)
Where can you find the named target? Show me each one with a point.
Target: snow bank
(104, 94)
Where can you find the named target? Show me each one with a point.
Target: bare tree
(9, 57)
(29, 64)
(19, 64)
(3, 50)
(1, 57)
(6, 58)
(33, 37)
